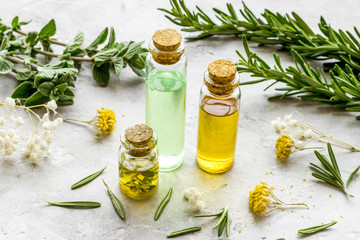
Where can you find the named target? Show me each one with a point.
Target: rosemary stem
(18, 60)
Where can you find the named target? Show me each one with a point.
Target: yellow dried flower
(105, 121)
(262, 200)
(284, 145)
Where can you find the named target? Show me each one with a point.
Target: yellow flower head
(284, 145)
(259, 199)
(105, 121)
(263, 201)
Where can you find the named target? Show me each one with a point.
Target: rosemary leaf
(74, 204)
(222, 226)
(351, 176)
(316, 229)
(209, 215)
(115, 202)
(87, 179)
(222, 217)
(183, 231)
(227, 225)
(163, 203)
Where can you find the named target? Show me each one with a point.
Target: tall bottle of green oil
(165, 95)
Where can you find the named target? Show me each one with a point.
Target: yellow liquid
(138, 183)
(218, 123)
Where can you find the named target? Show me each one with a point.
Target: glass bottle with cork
(165, 95)
(138, 162)
(218, 117)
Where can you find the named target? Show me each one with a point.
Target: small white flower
(52, 105)
(200, 205)
(2, 121)
(293, 123)
(309, 134)
(288, 118)
(300, 144)
(286, 131)
(33, 157)
(9, 102)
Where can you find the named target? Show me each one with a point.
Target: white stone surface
(76, 153)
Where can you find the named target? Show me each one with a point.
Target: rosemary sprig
(222, 223)
(74, 204)
(342, 90)
(315, 229)
(115, 202)
(291, 31)
(183, 231)
(87, 179)
(330, 172)
(163, 203)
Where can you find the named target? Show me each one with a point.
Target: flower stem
(76, 120)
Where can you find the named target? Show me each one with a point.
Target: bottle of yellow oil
(218, 117)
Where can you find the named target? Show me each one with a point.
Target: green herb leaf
(227, 225)
(5, 66)
(209, 215)
(184, 231)
(15, 21)
(24, 90)
(36, 99)
(163, 203)
(351, 176)
(222, 217)
(118, 65)
(87, 179)
(316, 229)
(46, 88)
(48, 30)
(101, 73)
(75, 204)
(116, 202)
(24, 74)
(99, 40)
(105, 54)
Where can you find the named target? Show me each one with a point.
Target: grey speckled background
(76, 153)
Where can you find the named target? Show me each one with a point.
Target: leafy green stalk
(330, 172)
(26, 47)
(342, 90)
(290, 31)
(315, 229)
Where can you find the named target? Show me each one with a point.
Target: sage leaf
(87, 179)
(163, 203)
(101, 73)
(115, 202)
(351, 176)
(183, 231)
(24, 74)
(316, 229)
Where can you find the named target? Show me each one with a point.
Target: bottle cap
(222, 77)
(139, 134)
(167, 39)
(166, 46)
(222, 71)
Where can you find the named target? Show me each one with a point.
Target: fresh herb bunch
(42, 83)
(222, 223)
(273, 28)
(330, 172)
(342, 90)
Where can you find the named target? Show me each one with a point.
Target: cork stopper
(167, 39)
(166, 46)
(139, 134)
(222, 71)
(222, 77)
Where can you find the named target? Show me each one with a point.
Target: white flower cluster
(298, 130)
(37, 146)
(37, 140)
(8, 140)
(193, 196)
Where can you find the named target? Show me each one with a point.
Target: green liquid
(165, 114)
